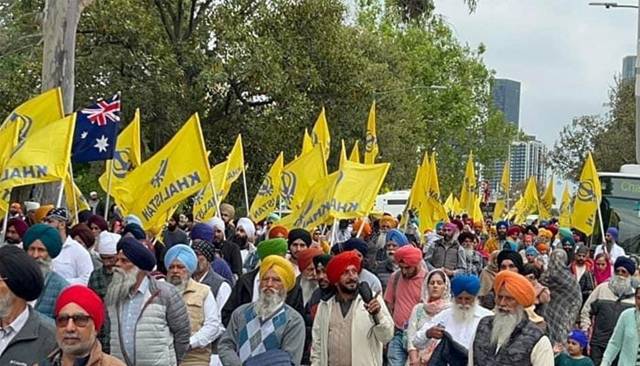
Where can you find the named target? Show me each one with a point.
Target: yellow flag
(268, 196)
(477, 210)
(301, 174)
(307, 143)
(343, 154)
(174, 173)
(320, 134)
(546, 202)
(587, 198)
(418, 195)
(457, 208)
(499, 211)
(74, 197)
(8, 140)
(437, 210)
(156, 227)
(371, 144)
(529, 203)
(41, 155)
(346, 194)
(355, 153)
(46, 107)
(127, 154)
(565, 208)
(448, 204)
(223, 175)
(468, 193)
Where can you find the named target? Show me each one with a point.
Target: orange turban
(42, 212)
(517, 286)
(278, 231)
(338, 265)
(389, 220)
(366, 230)
(542, 247)
(305, 257)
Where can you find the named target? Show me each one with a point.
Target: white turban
(216, 223)
(247, 225)
(107, 243)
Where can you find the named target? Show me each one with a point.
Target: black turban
(137, 253)
(21, 273)
(299, 234)
(515, 257)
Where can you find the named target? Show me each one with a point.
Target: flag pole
(4, 223)
(59, 201)
(333, 232)
(246, 194)
(75, 199)
(106, 206)
(215, 195)
(601, 226)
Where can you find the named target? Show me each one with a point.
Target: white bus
(392, 202)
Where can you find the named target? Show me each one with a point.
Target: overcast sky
(564, 52)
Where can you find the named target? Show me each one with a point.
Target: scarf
(602, 275)
(432, 308)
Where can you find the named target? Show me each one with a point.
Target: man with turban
(266, 329)
(228, 213)
(206, 273)
(509, 337)
(278, 231)
(173, 234)
(43, 244)
(16, 228)
(247, 289)
(298, 240)
(497, 242)
(79, 315)
(324, 291)
(204, 314)
(459, 320)
(148, 316)
(610, 247)
(244, 238)
(582, 270)
(385, 261)
(307, 277)
(229, 251)
(25, 337)
(361, 247)
(605, 304)
(201, 236)
(74, 261)
(404, 291)
(349, 329)
(447, 253)
(511, 261)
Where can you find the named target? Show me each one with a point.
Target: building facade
(506, 97)
(629, 68)
(527, 158)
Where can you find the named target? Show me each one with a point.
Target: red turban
(517, 286)
(278, 231)
(514, 231)
(18, 225)
(85, 298)
(338, 264)
(553, 229)
(305, 257)
(409, 255)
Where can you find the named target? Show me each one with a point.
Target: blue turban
(627, 263)
(580, 337)
(184, 254)
(137, 253)
(500, 224)
(439, 225)
(613, 232)
(202, 231)
(135, 230)
(356, 244)
(532, 251)
(465, 283)
(397, 237)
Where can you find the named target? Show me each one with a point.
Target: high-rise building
(629, 68)
(527, 158)
(506, 97)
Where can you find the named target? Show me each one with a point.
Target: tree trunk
(60, 23)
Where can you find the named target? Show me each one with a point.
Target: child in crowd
(577, 342)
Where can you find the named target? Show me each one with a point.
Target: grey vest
(444, 256)
(516, 351)
(214, 281)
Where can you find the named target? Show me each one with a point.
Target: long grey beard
(121, 285)
(45, 266)
(308, 287)
(463, 313)
(382, 240)
(503, 325)
(268, 303)
(620, 285)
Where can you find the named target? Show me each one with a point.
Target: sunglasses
(79, 320)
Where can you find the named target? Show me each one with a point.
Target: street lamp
(609, 5)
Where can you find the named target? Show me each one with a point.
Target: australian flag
(96, 129)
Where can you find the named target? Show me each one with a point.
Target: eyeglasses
(79, 320)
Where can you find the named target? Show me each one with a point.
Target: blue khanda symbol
(121, 163)
(157, 179)
(26, 122)
(586, 191)
(370, 142)
(266, 188)
(289, 184)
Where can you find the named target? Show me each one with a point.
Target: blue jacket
(53, 285)
(624, 340)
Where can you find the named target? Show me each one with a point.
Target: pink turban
(409, 255)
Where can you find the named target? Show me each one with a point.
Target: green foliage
(264, 68)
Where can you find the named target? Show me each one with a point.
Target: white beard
(121, 285)
(503, 325)
(463, 313)
(308, 287)
(268, 303)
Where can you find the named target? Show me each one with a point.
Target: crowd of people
(228, 291)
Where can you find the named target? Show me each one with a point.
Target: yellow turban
(282, 267)
(517, 286)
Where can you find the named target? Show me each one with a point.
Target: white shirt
(461, 331)
(224, 292)
(7, 333)
(73, 263)
(212, 327)
(616, 251)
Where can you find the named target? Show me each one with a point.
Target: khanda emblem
(26, 123)
(586, 191)
(157, 179)
(121, 164)
(289, 184)
(266, 188)
(370, 142)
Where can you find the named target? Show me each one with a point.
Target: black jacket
(242, 293)
(33, 343)
(230, 252)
